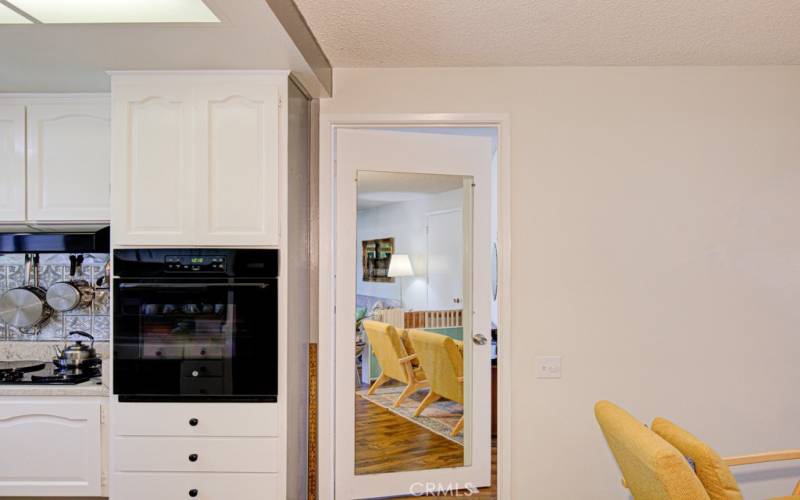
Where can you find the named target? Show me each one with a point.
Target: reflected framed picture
(375, 258)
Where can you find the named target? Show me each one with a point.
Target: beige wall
(656, 247)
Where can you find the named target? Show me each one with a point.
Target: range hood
(54, 238)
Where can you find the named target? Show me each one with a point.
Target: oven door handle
(193, 285)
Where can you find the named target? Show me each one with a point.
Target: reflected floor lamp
(400, 267)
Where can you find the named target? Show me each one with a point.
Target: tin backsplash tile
(53, 268)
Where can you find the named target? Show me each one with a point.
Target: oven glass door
(195, 340)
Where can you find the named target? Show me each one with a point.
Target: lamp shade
(399, 266)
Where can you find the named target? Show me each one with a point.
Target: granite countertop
(90, 388)
(14, 351)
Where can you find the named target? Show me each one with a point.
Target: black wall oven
(195, 325)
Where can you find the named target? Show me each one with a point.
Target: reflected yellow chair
(395, 362)
(443, 363)
(652, 469)
(711, 469)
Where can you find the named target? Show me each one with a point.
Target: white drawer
(207, 486)
(167, 454)
(210, 419)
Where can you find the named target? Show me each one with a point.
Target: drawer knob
(193, 457)
(193, 493)
(193, 422)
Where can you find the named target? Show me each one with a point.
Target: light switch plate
(547, 366)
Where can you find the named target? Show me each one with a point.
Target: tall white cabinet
(196, 158)
(216, 159)
(54, 158)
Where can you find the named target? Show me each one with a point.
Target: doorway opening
(415, 258)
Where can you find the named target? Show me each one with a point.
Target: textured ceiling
(405, 33)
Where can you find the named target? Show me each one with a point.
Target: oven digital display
(194, 263)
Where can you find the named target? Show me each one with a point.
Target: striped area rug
(440, 417)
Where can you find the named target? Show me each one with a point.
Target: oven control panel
(196, 263)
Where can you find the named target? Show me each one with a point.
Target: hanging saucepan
(74, 293)
(77, 355)
(24, 307)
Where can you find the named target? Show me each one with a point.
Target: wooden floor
(483, 494)
(391, 443)
(386, 442)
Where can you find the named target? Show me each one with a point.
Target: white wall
(405, 222)
(656, 247)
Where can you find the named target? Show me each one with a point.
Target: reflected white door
(415, 152)
(445, 232)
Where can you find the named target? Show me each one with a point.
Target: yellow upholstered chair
(396, 363)
(712, 470)
(443, 363)
(652, 469)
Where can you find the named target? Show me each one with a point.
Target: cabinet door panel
(50, 449)
(12, 162)
(196, 419)
(168, 454)
(152, 176)
(238, 155)
(69, 161)
(168, 486)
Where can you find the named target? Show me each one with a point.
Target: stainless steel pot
(74, 293)
(25, 307)
(77, 354)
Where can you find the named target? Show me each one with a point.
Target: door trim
(329, 123)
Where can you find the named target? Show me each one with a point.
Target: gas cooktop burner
(36, 372)
(20, 366)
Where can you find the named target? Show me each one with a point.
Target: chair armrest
(760, 458)
(408, 358)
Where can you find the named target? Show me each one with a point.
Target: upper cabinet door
(237, 156)
(69, 157)
(12, 162)
(152, 174)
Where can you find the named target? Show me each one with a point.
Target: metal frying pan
(24, 307)
(74, 293)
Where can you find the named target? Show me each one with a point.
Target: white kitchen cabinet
(229, 450)
(55, 158)
(196, 419)
(12, 162)
(206, 454)
(152, 172)
(69, 160)
(168, 486)
(50, 448)
(196, 158)
(237, 163)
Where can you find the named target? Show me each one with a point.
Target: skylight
(114, 11)
(8, 16)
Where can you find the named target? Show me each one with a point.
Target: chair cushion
(709, 467)
(653, 469)
(388, 348)
(442, 362)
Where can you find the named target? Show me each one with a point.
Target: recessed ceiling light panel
(117, 11)
(8, 16)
